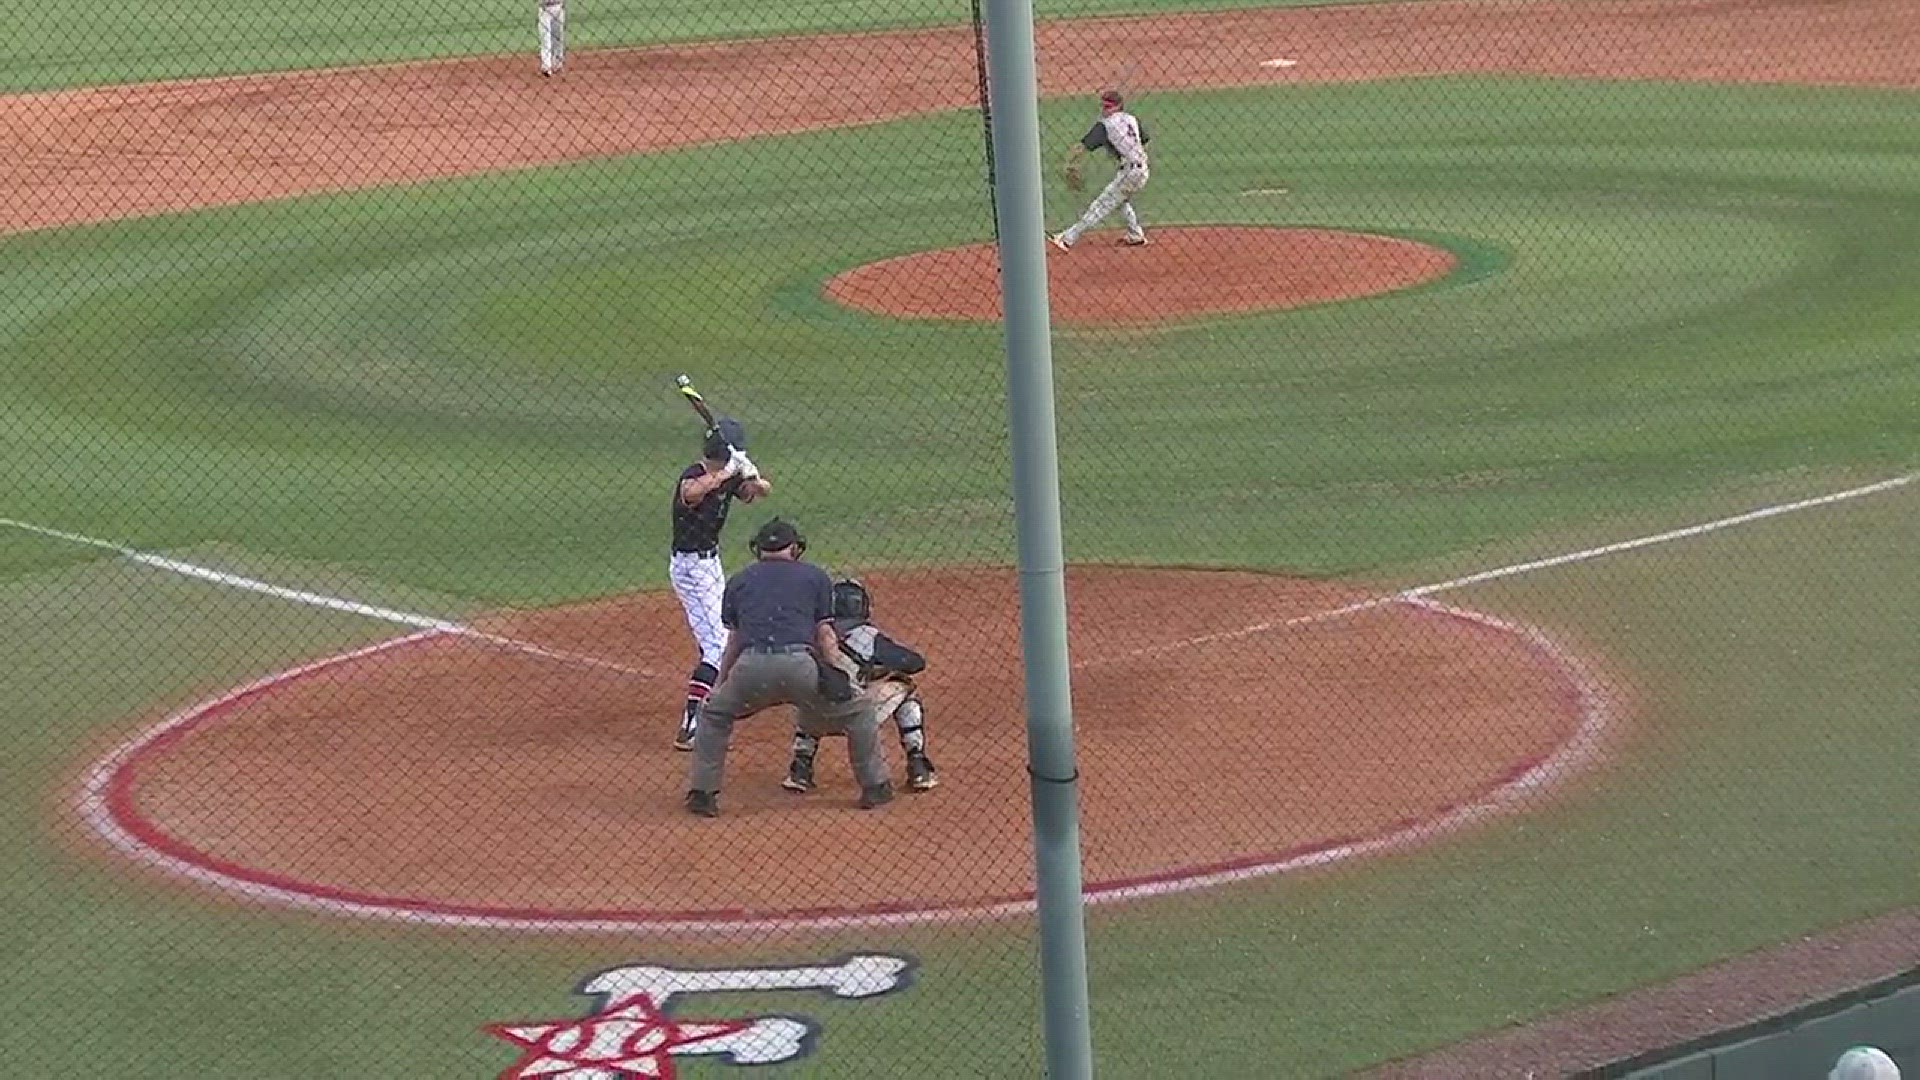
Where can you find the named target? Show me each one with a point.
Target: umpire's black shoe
(920, 773)
(877, 795)
(704, 803)
(799, 775)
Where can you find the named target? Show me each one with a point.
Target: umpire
(779, 616)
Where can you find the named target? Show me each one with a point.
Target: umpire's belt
(777, 649)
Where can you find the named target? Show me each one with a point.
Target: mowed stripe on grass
(104, 154)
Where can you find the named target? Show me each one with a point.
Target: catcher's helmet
(851, 602)
(723, 438)
(776, 535)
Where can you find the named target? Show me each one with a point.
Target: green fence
(1487, 441)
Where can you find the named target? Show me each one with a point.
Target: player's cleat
(1135, 241)
(1060, 241)
(799, 775)
(920, 773)
(683, 739)
(877, 795)
(704, 803)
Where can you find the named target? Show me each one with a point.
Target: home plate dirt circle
(1228, 727)
(1184, 272)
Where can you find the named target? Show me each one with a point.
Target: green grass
(458, 394)
(489, 361)
(95, 42)
(1749, 802)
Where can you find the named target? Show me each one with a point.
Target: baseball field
(1490, 503)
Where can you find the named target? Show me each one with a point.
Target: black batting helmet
(723, 438)
(851, 602)
(776, 535)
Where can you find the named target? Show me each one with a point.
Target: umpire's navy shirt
(777, 602)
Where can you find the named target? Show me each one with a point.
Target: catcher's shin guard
(910, 717)
(800, 769)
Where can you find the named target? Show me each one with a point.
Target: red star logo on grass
(631, 1037)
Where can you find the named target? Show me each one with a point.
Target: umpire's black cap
(776, 535)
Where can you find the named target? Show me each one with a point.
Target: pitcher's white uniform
(1121, 134)
(553, 36)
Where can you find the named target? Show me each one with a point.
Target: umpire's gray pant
(763, 678)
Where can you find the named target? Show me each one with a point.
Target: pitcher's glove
(1073, 178)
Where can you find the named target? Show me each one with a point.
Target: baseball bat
(694, 399)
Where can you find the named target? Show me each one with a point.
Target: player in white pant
(1120, 134)
(701, 500)
(553, 36)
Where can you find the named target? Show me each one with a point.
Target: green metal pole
(1014, 109)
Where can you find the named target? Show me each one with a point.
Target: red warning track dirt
(458, 779)
(1184, 272)
(94, 155)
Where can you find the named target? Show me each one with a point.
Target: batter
(701, 500)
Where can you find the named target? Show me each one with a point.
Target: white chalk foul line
(1419, 592)
(330, 603)
(1591, 699)
(1688, 532)
(106, 803)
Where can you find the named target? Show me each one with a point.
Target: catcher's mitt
(833, 681)
(1073, 178)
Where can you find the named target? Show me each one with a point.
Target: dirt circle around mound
(1183, 272)
(1228, 727)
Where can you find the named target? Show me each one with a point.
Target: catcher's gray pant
(894, 700)
(1118, 194)
(762, 679)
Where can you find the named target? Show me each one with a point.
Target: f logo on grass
(630, 1034)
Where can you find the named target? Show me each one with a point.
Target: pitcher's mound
(1181, 273)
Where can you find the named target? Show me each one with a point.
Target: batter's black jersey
(697, 528)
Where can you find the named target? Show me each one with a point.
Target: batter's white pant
(698, 581)
(553, 36)
(1118, 194)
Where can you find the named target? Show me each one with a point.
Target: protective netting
(1486, 439)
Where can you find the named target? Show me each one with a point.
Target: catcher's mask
(851, 602)
(723, 438)
(776, 535)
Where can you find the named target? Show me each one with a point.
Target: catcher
(883, 669)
